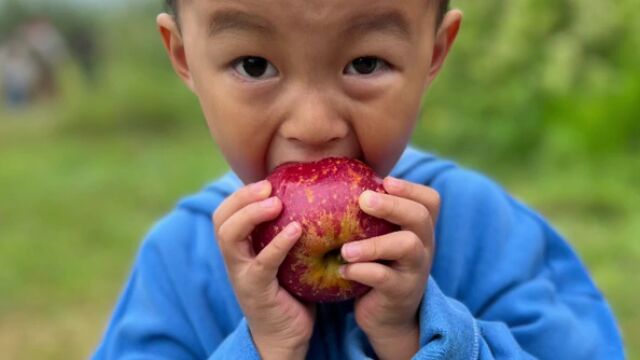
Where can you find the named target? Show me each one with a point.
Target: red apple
(322, 197)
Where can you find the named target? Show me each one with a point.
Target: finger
(375, 275)
(403, 246)
(239, 199)
(424, 195)
(408, 214)
(267, 262)
(233, 234)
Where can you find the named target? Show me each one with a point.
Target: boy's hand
(280, 325)
(388, 314)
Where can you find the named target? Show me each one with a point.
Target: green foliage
(136, 89)
(12, 12)
(528, 75)
(130, 100)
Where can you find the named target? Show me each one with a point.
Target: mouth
(314, 159)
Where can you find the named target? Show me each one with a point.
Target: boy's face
(300, 80)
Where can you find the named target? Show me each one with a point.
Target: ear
(445, 37)
(173, 43)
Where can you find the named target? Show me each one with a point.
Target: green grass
(72, 213)
(75, 206)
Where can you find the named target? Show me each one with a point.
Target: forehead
(316, 15)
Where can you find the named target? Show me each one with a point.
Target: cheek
(241, 133)
(384, 127)
(239, 124)
(383, 145)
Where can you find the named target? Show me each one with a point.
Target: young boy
(293, 80)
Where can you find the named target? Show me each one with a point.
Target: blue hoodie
(504, 285)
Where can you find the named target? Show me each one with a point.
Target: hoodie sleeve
(238, 345)
(166, 310)
(505, 285)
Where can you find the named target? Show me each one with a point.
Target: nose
(314, 122)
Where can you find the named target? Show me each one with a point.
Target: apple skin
(322, 197)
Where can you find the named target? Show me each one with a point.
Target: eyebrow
(229, 20)
(392, 22)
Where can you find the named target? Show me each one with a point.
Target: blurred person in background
(49, 51)
(30, 61)
(18, 72)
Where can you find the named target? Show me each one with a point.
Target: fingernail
(269, 203)
(260, 188)
(351, 251)
(394, 184)
(341, 270)
(292, 230)
(371, 199)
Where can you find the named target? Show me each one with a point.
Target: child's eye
(255, 68)
(366, 65)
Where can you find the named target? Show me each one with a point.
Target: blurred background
(98, 139)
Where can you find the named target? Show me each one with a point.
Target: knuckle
(277, 246)
(430, 243)
(437, 202)
(437, 199)
(243, 195)
(412, 243)
(260, 271)
(222, 233)
(423, 214)
(249, 216)
(391, 206)
(245, 212)
(420, 253)
(418, 190)
(216, 218)
(413, 240)
(382, 276)
(258, 266)
(373, 249)
(413, 190)
(417, 246)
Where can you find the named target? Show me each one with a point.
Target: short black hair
(443, 7)
(171, 6)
